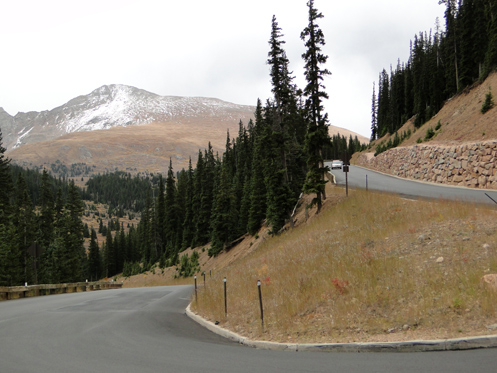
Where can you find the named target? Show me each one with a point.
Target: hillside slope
(134, 149)
(457, 146)
(460, 118)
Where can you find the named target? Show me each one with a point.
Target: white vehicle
(336, 164)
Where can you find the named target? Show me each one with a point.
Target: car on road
(336, 164)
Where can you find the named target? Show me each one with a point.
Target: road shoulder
(465, 343)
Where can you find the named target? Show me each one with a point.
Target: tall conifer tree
(171, 216)
(257, 210)
(207, 178)
(374, 119)
(188, 225)
(23, 219)
(282, 171)
(47, 213)
(110, 255)
(93, 257)
(317, 134)
(6, 186)
(160, 233)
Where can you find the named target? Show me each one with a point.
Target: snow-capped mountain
(114, 106)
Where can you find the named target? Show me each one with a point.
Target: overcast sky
(55, 50)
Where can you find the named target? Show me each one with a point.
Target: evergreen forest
(442, 63)
(258, 180)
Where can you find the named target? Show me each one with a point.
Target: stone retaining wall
(469, 165)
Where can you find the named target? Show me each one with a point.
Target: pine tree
(6, 227)
(451, 46)
(6, 186)
(181, 206)
(72, 233)
(161, 219)
(317, 134)
(221, 225)
(59, 207)
(133, 245)
(473, 41)
(118, 252)
(243, 174)
(237, 181)
(383, 104)
(47, 214)
(198, 177)
(491, 52)
(374, 120)
(188, 224)
(24, 223)
(419, 72)
(110, 256)
(5, 277)
(94, 257)
(282, 161)
(257, 210)
(206, 181)
(144, 230)
(171, 215)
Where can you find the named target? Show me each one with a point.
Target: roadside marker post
(260, 304)
(195, 288)
(225, 300)
(346, 170)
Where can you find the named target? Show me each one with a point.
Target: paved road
(410, 188)
(146, 330)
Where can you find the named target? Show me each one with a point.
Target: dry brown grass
(156, 277)
(365, 269)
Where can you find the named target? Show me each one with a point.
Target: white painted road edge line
(467, 343)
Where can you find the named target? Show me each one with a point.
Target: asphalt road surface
(358, 176)
(146, 330)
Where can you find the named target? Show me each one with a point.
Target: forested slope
(442, 63)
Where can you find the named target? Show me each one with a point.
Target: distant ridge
(126, 128)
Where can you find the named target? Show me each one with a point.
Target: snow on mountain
(112, 106)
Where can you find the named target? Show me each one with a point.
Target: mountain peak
(113, 105)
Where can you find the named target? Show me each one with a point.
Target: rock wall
(469, 165)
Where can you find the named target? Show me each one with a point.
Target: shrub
(188, 266)
(429, 134)
(131, 269)
(489, 102)
(162, 261)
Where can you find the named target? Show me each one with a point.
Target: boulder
(490, 281)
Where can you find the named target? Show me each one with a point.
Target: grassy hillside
(373, 267)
